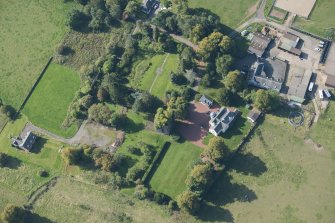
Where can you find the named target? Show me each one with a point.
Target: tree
(146, 102)
(266, 100)
(226, 44)
(77, 19)
(216, 149)
(224, 97)
(102, 95)
(189, 202)
(234, 81)
(200, 178)
(223, 64)
(132, 10)
(100, 113)
(114, 8)
(206, 81)
(177, 106)
(162, 118)
(13, 214)
(209, 46)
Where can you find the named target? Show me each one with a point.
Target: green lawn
(321, 18)
(47, 107)
(172, 172)
(20, 178)
(29, 32)
(144, 74)
(277, 178)
(231, 12)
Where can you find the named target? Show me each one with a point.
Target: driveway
(196, 126)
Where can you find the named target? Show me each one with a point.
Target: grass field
(231, 12)
(29, 32)
(20, 177)
(73, 201)
(47, 107)
(278, 178)
(321, 18)
(144, 74)
(171, 174)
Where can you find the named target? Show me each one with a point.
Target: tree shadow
(35, 218)
(38, 145)
(248, 164)
(129, 126)
(210, 212)
(225, 192)
(236, 128)
(13, 162)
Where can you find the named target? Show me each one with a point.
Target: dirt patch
(196, 126)
(278, 14)
(300, 7)
(316, 146)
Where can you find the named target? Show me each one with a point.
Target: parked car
(317, 49)
(321, 42)
(327, 93)
(321, 94)
(311, 86)
(320, 45)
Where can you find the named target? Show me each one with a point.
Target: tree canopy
(266, 100)
(216, 149)
(189, 202)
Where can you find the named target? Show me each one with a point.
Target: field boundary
(155, 163)
(34, 86)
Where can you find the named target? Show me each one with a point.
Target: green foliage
(73, 156)
(200, 178)
(223, 64)
(234, 81)
(177, 106)
(266, 100)
(215, 43)
(77, 20)
(162, 118)
(100, 113)
(216, 149)
(224, 97)
(146, 102)
(189, 202)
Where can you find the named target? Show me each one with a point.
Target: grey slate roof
(269, 74)
(298, 84)
(289, 43)
(222, 120)
(28, 141)
(206, 100)
(259, 44)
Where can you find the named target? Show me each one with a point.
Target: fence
(155, 163)
(30, 93)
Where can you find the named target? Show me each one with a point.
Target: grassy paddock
(277, 178)
(29, 32)
(21, 175)
(231, 12)
(48, 104)
(172, 172)
(321, 18)
(144, 74)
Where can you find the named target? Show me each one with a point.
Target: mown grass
(321, 18)
(21, 174)
(29, 32)
(48, 105)
(277, 178)
(145, 72)
(231, 12)
(170, 176)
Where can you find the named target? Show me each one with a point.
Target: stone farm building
(289, 43)
(222, 120)
(268, 74)
(259, 44)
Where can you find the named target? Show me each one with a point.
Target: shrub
(134, 150)
(43, 173)
(160, 198)
(141, 192)
(72, 156)
(13, 214)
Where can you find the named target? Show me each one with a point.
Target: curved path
(83, 136)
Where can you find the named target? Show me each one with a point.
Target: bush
(77, 19)
(141, 192)
(72, 156)
(160, 198)
(43, 173)
(13, 214)
(134, 150)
